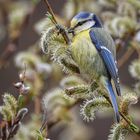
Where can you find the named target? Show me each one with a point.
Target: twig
(136, 45)
(50, 11)
(125, 57)
(37, 105)
(125, 43)
(63, 32)
(133, 127)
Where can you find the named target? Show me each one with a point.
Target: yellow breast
(84, 52)
(81, 36)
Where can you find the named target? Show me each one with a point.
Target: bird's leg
(63, 31)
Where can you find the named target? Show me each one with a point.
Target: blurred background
(21, 24)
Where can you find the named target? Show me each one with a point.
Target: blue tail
(113, 99)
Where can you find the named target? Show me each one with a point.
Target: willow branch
(50, 11)
(63, 32)
(133, 127)
(128, 41)
(125, 57)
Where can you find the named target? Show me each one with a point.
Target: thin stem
(133, 127)
(128, 41)
(37, 105)
(125, 57)
(136, 45)
(50, 11)
(63, 32)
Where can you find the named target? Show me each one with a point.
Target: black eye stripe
(82, 22)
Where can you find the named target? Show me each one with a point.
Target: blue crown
(82, 15)
(86, 15)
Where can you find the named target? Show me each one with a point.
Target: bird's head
(83, 21)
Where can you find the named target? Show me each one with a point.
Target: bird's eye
(80, 23)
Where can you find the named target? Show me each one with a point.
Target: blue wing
(113, 99)
(101, 43)
(107, 58)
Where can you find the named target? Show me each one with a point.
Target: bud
(21, 113)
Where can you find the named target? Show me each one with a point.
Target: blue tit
(94, 51)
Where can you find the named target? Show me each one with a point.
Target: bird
(94, 51)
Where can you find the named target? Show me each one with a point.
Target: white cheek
(85, 26)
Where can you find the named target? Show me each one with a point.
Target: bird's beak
(71, 30)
